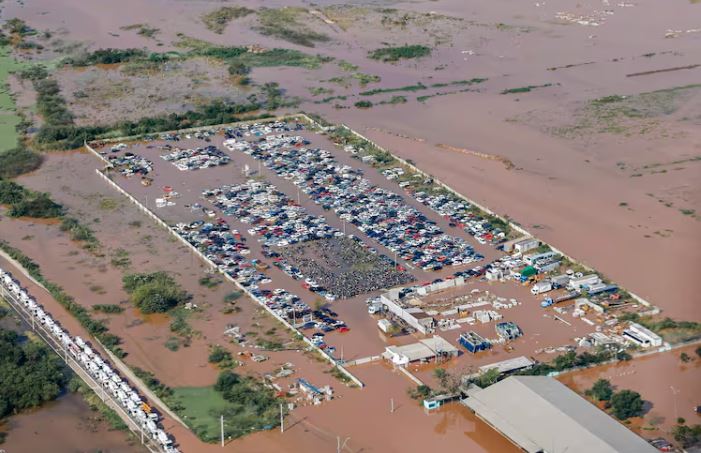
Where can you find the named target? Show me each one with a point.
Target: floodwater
(669, 387)
(65, 426)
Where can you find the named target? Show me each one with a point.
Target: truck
(375, 307)
(541, 287)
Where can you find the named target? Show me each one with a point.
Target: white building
(423, 350)
(585, 280)
(642, 336)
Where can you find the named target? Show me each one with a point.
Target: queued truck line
(99, 374)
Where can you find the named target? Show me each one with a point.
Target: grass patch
(246, 405)
(120, 258)
(418, 87)
(144, 30)
(108, 308)
(210, 281)
(218, 19)
(526, 89)
(156, 292)
(395, 100)
(288, 24)
(392, 54)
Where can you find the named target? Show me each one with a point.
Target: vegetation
(395, 100)
(95, 327)
(363, 104)
(156, 292)
(601, 390)
(106, 56)
(218, 354)
(392, 54)
(143, 30)
(107, 308)
(30, 374)
(417, 87)
(421, 392)
(218, 19)
(571, 360)
(525, 89)
(687, 436)
(233, 296)
(24, 202)
(626, 404)
(245, 403)
(670, 329)
(286, 24)
(79, 232)
(106, 413)
(17, 161)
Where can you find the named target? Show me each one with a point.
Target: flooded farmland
(578, 120)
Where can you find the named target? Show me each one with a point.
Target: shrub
(601, 390)
(18, 161)
(390, 54)
(108, 308)
(626, 404)
(363, 104)
(30, 374)
(219, 354)
(154, 293)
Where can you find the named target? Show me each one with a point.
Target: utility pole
(221, 425)
(391, 405)
(674, 395)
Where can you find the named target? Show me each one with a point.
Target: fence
(440, 183)
(284, 322)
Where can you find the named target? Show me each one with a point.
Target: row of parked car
(196, 158)
(462, 215)
(379, 213)
(275, 219)
(129, 164)
(226, 249)
(93, 364)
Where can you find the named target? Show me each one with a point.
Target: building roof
(439, 345)
(413, 352)
(424, 349)
(539, 413)
(508, 365)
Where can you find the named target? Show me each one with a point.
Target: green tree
(685, 357)
(156, 292)
(488, 378)
(601, 390)
(30, 374)
(626, 404)
(686, 435)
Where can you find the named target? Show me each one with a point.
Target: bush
(390, 54)
(157, 292)
(626, 404)
(108, 308)
(18, 161)
(601, 390)
(687, 436)
(363, 104)
(219, 354)
(421, 392)
(107, 56)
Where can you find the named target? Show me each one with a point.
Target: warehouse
(539, 414)
(423, 350)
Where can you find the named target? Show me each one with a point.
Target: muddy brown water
(669, 387)
(65, 426)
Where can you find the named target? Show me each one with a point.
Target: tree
(601, 390)
(442, 376)
(686, 435)
(154, 293)
(626, 404)
(30, 374)
(488, 378)
(685, 357)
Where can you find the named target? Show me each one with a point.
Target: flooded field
(669, 386)
(577, 119)
(65, 426)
